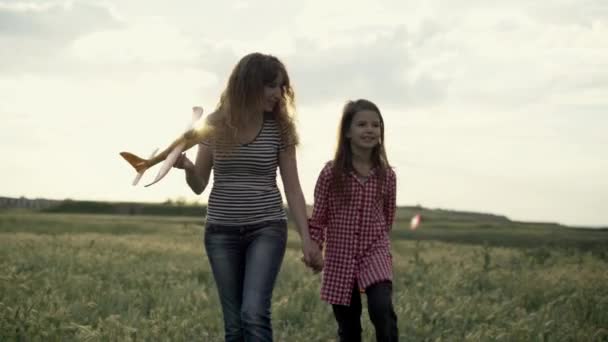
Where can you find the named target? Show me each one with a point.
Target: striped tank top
(244, 181)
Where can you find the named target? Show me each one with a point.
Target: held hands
(313, 257)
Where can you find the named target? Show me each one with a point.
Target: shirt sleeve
(317, 224)
(390, 201)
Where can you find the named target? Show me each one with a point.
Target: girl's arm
(390, 201)
(318, 221)
(297, 205)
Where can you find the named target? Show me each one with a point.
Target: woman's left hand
(313, 257)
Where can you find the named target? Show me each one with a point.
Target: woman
(251, 133)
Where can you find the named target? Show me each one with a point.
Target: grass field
(121, 278)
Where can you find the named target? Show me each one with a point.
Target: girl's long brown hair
(343, 158)
(243, 98)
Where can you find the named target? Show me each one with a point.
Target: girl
(251, 133)
(352, 216)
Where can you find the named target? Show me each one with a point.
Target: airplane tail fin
(138, 164)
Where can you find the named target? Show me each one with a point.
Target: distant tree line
(178, 207)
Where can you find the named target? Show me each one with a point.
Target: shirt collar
(372, 172)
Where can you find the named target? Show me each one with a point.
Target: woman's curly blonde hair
(243, 98)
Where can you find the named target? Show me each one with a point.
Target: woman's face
(272, 93)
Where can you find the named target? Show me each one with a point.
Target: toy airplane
(194, 134)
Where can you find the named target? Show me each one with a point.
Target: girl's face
(272, 93)
(365, 130)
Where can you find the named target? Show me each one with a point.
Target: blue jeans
(245, 261)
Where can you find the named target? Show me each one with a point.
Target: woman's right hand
(183, 163)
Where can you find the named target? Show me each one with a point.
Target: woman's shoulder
(215, 117)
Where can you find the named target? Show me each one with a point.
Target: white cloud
(150, 40)
(35, 34)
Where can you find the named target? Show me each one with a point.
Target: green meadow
(459, 277)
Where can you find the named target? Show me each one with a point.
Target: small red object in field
(415, 222)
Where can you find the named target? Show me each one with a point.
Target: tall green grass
(118, 278)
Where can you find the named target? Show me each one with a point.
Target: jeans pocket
(279, 224)
(276, 229)
(211, 228)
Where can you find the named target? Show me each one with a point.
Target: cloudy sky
(491, 106)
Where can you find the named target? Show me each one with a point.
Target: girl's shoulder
(328, 169)
(391, 176)
(390, 172)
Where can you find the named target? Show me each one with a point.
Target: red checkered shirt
(355, 236)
